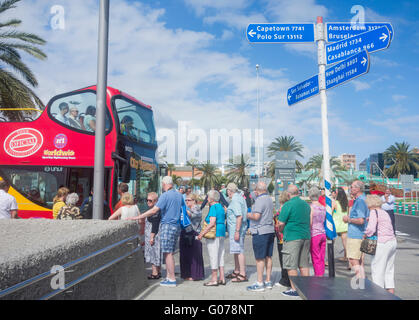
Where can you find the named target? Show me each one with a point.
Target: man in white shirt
(8, 205)
(389, 202)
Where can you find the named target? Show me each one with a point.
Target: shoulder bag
(369, 245)
(211, 233)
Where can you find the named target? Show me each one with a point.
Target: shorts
(296, 254)
(169, 235)
(236, 247)
(353, 248)
(263, 245)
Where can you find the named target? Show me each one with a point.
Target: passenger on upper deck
(62, 115)
(73, 118)
(127, 127)
(90, 119)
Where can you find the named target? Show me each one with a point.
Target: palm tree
(401, 160)
(287, 143)
(237, 171)
(192, 163)
(170, 168)
(208, 179)
(315, 163)
(16, 79)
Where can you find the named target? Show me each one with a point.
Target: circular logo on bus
(60, 141)
(23, 143)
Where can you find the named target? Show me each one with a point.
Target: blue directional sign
(303, 90)
(337, 31)
(371, 41)
(280, 33)
(348, 69)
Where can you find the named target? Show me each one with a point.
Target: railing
(73, 263)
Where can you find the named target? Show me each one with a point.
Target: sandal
(222, 283)
(240, 278)
(232, 275)
(211, 284)
(154, 276)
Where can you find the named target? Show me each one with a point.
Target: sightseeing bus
(57, 149)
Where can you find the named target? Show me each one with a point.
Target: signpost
(280, 33)
(353, 43)
(303, 90)
(348, 69)
(372, 41)
(337, 31)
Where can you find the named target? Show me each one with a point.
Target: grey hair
(214, 195)
(232, 187)
(71, 199)
(314, 193)
(261, 186)
(168, 180)
(360, 185)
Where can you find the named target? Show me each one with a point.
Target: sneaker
(268, 285)
(290, 293)
(168, 283)
(256, 287)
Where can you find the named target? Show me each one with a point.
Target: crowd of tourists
(176, 217)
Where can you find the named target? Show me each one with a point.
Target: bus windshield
(136, 122)
(77, 110)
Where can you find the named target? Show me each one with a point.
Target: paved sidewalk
(407, 277)
(195, 290)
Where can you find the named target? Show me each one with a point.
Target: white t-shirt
(129, 212)
(7, 204)
(390, 204)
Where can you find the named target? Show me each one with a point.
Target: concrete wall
(29, 248)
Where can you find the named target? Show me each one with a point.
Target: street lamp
(258, 111)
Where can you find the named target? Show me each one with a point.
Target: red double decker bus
(57, 149)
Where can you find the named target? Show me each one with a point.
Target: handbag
(369, 246)
(211, 233)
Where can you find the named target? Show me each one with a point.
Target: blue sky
(191, 61)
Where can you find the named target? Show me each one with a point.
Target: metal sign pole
(325, 136)
(99, 170)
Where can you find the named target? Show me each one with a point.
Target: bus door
(80, 181)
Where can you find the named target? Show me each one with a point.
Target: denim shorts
(263, 245)
(169, 235)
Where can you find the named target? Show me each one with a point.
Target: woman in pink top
(318, 234)
(382, 265)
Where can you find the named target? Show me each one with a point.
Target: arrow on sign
(383, 37)
(364, 61)
(372, 41)
(251, 33)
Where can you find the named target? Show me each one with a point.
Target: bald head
(293, 190)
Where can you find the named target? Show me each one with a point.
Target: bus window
(78, 111)
(136, 122)
(146, 182)
(38, 184)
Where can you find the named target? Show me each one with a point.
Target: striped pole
(329, 225)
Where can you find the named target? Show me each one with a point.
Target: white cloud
(398, 97)
(360, 85)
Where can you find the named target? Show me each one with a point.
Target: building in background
(375, 164)
(348, 161)
(363, 165)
